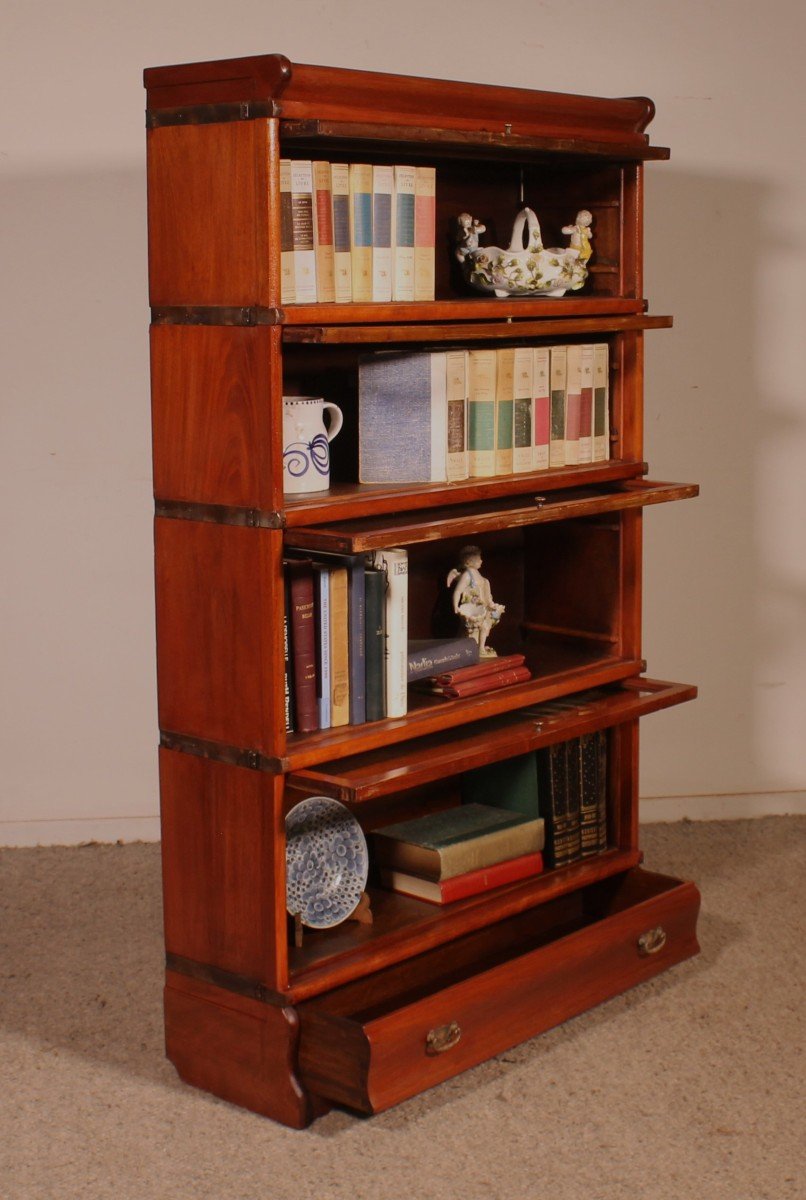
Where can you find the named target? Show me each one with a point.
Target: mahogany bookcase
(367, 1015)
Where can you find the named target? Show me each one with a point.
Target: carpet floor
(689, 1087)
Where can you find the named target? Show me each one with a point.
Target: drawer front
(371, 1064)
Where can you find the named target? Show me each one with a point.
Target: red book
(489, 666)
(302, 628)
(485, 683)
(445, 891)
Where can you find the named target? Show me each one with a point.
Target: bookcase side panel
(219, 633)
(222, 845)
(632, 231)
(215, 441)
(208, 212)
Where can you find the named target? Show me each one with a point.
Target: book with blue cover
(403, 418)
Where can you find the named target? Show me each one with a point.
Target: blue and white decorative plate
(326, 862)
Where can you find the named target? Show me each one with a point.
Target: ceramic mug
(306, 443)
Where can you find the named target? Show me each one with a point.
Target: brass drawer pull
(443, 1038)
(652, 941)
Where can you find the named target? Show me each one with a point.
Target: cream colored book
(361, 231)
(383, 183)
(302, 225)
(559, 368)
(425, 202)
(586, 406)
(323, 232)
(395, 563)
(287, 289)
(573, 404)
(522, 420)
(481, 413)
(456, 371)
(504, 406)
(601, 403)
(403, 233)
(541, 408)
(339, 648)
(342, 259)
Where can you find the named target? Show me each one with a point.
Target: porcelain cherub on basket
(525, 270)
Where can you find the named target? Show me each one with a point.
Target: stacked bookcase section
(366, 1014)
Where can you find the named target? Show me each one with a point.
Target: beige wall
(726, 574)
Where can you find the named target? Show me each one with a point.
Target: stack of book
(353, 232)
(458, 852)
(442, 416)
(573, 797)
(488, 675)
(346, 628)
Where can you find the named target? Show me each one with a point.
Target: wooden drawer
(374, 1043)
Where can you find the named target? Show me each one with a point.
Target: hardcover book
(558, 368)
(403, 234)
(303, 645)
(542, 409)
(402, 418)
(382, 189)
(287, 290)
(491, 682)
(522, 419)
(361, 231)
(481, 413)
(303, 232)
(424, 232)
(323, 232)
(375, 620)
(321, 578)
(456, 381)
(394, 564)
(429, 657)
(488, 666)
(601, 405)
(342, 258)
(339, 648)
(453, 841)
(446, 891)
(573, 404)
(504, 406)
(586, 407)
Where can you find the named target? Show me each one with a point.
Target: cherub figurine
(581, 234)
(467, 236)
(472, 599)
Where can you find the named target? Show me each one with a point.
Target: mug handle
(336, 419)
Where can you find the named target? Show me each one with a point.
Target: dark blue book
(432, 656)
(375, 593)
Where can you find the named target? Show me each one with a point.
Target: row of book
(354, 232)
(446, 415)
(547, 808)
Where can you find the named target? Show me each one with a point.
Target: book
(323, 232)
(511, 784)
(481, 413)
(321, 580)
(453, 841)
(361, 231)
(573, 404)
(375, 658)
(427, 658)
(504, 405)
(287, 290)
(302, 228)
(487, 666)
(456, 379)
(562, 844)
(589, 795)
(382, 188)
(586, 406)
(403, 233)
(484, 683)
(471, 883)
(287, 667)
(424, 232)
(339, 648)
(601, 785)
(541, 408)
(522, 418)
(573, 758)
(342, 259)
(394, 564)
(303, 644)
(402, 418)
(557, 379)
(601, 403)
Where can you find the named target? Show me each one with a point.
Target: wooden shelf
(471, 308)
(511, 328)
(403, 924)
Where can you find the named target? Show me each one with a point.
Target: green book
(444, 844)
(511, 784)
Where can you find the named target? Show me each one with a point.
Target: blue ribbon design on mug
(299, 456)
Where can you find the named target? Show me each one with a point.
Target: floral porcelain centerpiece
(525, 270)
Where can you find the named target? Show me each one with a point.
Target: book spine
(475, 853)
(559, 367)
(339, 649)
(361, 231)
(506, 663)
(456, 398)
(586, 407)
(425, 664)
(394, 564)
(542, 409)
(323, 677)
(403, 233)
(481, 413)
(287, 665)
(573, 401)
(574, 774)
(439, 417)
(287, 290)
(485, 683)
(553, 788)
(424, 232)
(601, 403)
(484, 880)
(374, 588)
(342, 259)
(522, 418)
(302, 224)
(589, 795)
(303, 647)
(323, 232)
(504, 404)
(601, 785)
(382, 189)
